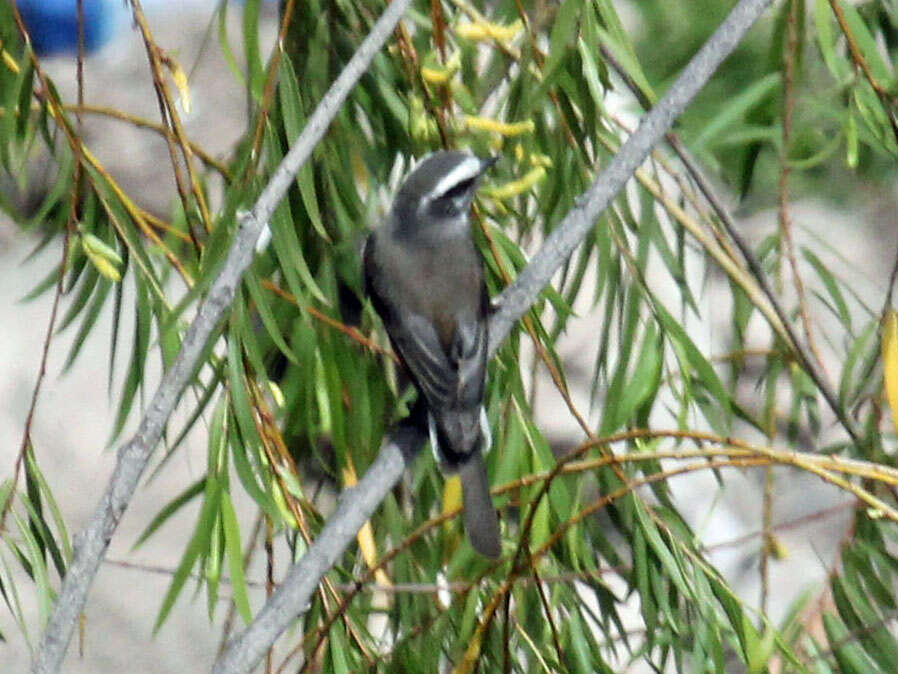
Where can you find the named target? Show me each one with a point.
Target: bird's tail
(481, 523)
(471, 431)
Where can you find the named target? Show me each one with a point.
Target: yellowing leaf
(502, 128)
(103, 257)
(365, 536)
(451, 497)
(482, 31)
(515, 187)
(180, 79)
(10, 62)
(472, 655)
(435, 75)
(890, 361)
(438, 75)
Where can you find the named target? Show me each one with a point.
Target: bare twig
(754, 265)
(142, 123)
(801, 352)
(92, 542)
(517, 299)
(357, 505)
(790, 55)
(169, 113)
(71, 225)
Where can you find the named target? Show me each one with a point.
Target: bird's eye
(459, 191)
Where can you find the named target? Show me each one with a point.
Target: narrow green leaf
(738, 106)
(234, 551)
(294, 123)
(251, 51)
(37, 569)
(849, 654)
(832, 287)
(262, 304)
(199, 543)
(170, 509)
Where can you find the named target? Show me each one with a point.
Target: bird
(425, 279)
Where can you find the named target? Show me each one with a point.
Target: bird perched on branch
(425, 279)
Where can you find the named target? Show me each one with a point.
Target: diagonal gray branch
(92, 542)
(356, 505)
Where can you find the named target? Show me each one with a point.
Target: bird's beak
(486, 164)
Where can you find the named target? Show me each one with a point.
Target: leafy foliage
(299, 390)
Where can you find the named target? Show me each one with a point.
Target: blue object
(53, 24)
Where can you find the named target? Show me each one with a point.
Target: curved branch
(91, 544)
(358, 504)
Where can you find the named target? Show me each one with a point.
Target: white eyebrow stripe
(469, 168)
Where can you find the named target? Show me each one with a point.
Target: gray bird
(425, 279)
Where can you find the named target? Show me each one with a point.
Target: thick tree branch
(357, 505)
(92, 542)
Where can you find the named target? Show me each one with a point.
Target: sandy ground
(76, 410)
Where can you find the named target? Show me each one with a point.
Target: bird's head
(439, 191)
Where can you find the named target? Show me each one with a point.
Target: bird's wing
(413, 336)
(468, 356)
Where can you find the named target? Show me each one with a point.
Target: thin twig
(368, 584)
(71, 226)
(790, 54)
(357, 505)
(143, 123)
(169, 114)
(745, 250)
(271, 79)
(755, 266)
(91, 544)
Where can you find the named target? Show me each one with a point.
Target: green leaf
(170, 509)
(694, 357)
(251, 51)
(225, 45)
(294, 123)
(199, 543)
(646, 377)
(737, 107)
(37, 569)
(263, 306)
(139, 349)
(287, 247)
(832, 287)
(849, 654)
(235, 558)
(862, 37)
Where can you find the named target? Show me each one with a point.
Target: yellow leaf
(94, 245)
(890, 361)
(451, 497)
(10, 62)
(502, 128)
(365, 536)
(515, 187)
(281, 504)
(180, 79)
(472, 655)
(434, 75)
(102, 257)
(482, 31)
